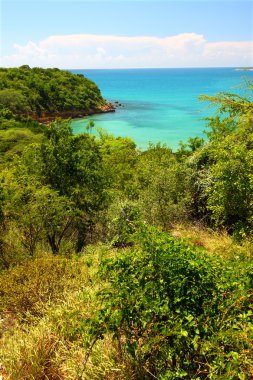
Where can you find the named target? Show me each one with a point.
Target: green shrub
(123, 220)
(170, 306)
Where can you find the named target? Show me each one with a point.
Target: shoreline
(47, 117)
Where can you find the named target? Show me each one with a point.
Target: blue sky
(191, 33)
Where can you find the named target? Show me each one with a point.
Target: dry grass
(52, 346)
(108, 362)
(215, 243)
(37, 354)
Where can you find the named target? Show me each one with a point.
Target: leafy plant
(165, 303)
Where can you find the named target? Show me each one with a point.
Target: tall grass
(44, 310)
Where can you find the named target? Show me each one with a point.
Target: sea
(160, 105)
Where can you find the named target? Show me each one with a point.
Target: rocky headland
(46, 94)
(46, 117)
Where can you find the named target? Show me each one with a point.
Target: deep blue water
(160, 104)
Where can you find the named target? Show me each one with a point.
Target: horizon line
(165, 68)
(136, 68)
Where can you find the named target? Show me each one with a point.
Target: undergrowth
(165, 308)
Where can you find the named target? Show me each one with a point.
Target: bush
(123, 220)
(170, 306)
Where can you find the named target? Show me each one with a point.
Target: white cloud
(107, 51)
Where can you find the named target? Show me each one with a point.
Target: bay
(159, 105)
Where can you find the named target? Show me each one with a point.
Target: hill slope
(45, 94)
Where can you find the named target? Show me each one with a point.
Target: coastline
(47, 117)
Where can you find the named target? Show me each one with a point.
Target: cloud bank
(108, 51)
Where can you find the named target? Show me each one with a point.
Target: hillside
(45, 94)
(120, 264)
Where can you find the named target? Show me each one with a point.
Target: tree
(163, 184)
(226, 185)
(120, 157)
(39, 212)
(230, 195)
(14, 100)
(71, 166)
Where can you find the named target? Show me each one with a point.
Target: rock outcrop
(47, 117)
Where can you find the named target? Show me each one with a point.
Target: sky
(82, 34)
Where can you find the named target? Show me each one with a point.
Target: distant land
(245, 69)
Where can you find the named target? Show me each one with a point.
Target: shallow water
(159, 104)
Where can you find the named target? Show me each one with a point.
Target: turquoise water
(159, 104)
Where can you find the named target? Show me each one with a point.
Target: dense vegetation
(117, 263)
(41, 92)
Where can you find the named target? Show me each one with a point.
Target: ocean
(160, 105)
